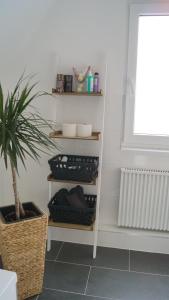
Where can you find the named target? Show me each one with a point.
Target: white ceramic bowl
(84, 130)
(69, 130)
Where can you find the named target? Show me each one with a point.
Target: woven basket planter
(23, 246)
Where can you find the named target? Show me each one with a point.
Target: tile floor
(72, 274)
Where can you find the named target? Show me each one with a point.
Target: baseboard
(114, 237)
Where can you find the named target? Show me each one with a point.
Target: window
(147, 96)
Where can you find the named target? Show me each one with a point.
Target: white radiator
(144, 199)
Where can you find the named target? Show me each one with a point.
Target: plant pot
(23, 245)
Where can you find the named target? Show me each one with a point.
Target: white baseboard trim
(115, 237)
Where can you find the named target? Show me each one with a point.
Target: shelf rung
(71, 226)
(52, 179)
(58, 135)
(77, 93)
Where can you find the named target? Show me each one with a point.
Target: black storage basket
(77, 167)
(69, 214)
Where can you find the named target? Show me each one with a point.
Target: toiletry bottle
(96, 83)
(60, 83)
(90, 82)
(68, 81)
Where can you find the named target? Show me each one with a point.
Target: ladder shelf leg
(95, 243)
(49, 239)
(49, 229)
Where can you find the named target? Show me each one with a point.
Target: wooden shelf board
(71, 226)
(51, 178)
(76, 93)
(58, 135)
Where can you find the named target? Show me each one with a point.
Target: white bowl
(69, 130)
(84, 130)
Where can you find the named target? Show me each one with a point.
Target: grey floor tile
(123, 285)
(106, 257)
(55, 247)
(149, 262)
(76, 253)
(112, 258)
(57, 295)
(67, 277)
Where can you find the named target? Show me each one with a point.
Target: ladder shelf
(96, 136)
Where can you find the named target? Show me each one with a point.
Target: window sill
(138, 148)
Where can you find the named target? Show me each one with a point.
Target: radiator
(144, 199)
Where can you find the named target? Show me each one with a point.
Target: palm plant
(21, 132)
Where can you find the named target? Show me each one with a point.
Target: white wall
(32, 35)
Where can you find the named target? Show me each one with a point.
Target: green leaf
(21, 131)
(1, 102)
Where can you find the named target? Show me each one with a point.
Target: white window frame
(131, 140)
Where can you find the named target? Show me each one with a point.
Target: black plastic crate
(77, 167)
(69, 214)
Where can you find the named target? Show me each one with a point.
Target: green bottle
(90, 79)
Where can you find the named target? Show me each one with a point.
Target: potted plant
(23, 227)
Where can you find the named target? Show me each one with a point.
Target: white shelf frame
(99, 178)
